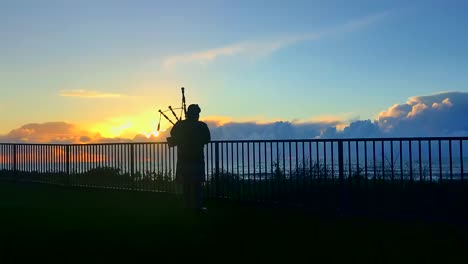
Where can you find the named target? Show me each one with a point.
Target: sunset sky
(71, 71)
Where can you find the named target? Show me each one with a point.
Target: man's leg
(197, 193)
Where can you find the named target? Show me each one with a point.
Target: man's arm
(175, 133)
(175, 130)
(206, 134)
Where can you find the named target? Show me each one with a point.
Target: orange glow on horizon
(218, 120)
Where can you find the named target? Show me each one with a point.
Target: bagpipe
(183, 110)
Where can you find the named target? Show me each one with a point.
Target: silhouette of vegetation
(311, 183)
(105, 176)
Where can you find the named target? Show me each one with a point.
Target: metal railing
(319, 171)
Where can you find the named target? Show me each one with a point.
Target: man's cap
(193, 109)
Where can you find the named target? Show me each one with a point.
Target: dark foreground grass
(78, 223)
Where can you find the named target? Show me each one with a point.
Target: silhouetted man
(190, 136)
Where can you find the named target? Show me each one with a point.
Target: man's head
(193, 112)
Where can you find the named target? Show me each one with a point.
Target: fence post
(15, 170)
(67, 151)
(342, 197)
(132, 167)
(217, 169)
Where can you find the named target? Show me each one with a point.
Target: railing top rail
(261, 140)
(85, 144)
(346, 139)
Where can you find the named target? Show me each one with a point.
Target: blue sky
(107, 66)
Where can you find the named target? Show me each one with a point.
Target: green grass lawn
(57, 220)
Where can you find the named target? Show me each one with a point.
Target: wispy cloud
(267, 47)
(357, 24)
(259, 48)
(88, 94)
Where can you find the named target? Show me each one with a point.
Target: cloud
(356, 129)
(341, 119)
(88, 94)
(54, 132)
(267, 131)
(267, 47)
(358, 24)
(395, 111)
(221, 130)
(260, 48)
(51, 132)
(441, 114)
(66, 133)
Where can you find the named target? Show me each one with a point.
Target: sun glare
(130, 126)
(151, 134)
